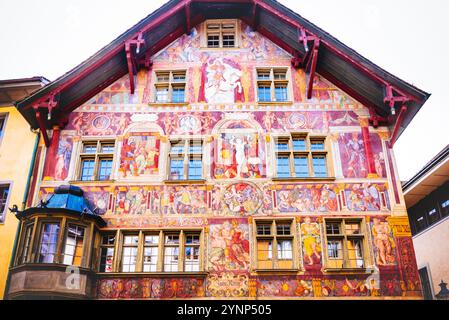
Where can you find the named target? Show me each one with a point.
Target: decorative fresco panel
(229, 245)
(283, 286)
(150, 288)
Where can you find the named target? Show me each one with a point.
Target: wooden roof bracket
(311, 67)
(42, 128)
(131, 58)
(397, 126)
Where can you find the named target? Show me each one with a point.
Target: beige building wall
(432, 251)
(16, 150)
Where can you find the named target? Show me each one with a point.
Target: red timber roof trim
(309, 61)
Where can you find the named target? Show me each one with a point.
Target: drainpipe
(19, 226)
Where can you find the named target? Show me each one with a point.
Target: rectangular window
(171, 253)
(96, 160)
(73, 248)
(129, 257)
(300, 156)
(345, 244)
(445, 208)
(4, 197)
(26, 243)
(186, 160)
(107, 253)
(272, 85)
(150, 253)
(170, 86)
(48, 242)
(2, 125)
(274, 245)
(192, 253)
(221, 34)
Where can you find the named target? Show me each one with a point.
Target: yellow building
(16, 153)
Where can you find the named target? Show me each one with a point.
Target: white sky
(407, 38)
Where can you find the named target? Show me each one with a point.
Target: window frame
(272, 82)
(343, 237)
(3, 213)
(97, 157)
(64, 244)
(160, 263)
(170, 84)
(275, 239)
(221, 32)
(293, 154)
(107, 246)
(187, 155)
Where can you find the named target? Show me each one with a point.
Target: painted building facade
(220, 178)
(13, 182)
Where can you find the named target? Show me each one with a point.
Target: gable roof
(363, 80)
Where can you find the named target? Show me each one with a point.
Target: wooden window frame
(160, 265)
(170, 84)
(107, 246)
(308, 153)
(272, 82)
(83, 249)
(221, 32)
(186, 156)
(274, 237)
(97, 157)
(343, 237)
(7, 185)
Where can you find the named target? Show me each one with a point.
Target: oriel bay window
(96, 160)
(301, 156)
(161, 251)
(186, 160)
(275, 242)
(170, 86)
(345, 240)
(272, 85)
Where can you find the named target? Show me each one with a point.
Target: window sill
(201, 274)
(277, 271)
(275, 103)
(167, 104)
(79, 182)
(350, 270)
(330, 179)
(202, 181)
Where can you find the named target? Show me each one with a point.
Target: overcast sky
(407, 38)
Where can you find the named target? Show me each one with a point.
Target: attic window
(221, 34)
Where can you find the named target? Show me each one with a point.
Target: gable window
(221, 34)
(170, 86)
(345, 244)
(300, 156)
(272, 85)
(274, 244)
(186, 160)
(4, 197)
(96, 160)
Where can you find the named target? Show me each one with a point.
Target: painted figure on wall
(311, 242)
(139, 155)
(310, 198)
(364, 197)
(352, 152)
(383, 242)
(221, 82)
(63, 156)
(242, 198)
(229, 245)
(238, 156)
(132, 202)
